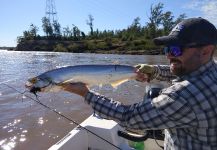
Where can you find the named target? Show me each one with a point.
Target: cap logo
(177, 28)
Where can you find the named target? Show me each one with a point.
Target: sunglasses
(177, 51)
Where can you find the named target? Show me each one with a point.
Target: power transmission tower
(51, 12)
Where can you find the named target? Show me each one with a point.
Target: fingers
(142, 77)
(137, 66)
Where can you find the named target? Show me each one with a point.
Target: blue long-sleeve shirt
(187, 110)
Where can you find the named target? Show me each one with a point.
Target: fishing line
(62, 115)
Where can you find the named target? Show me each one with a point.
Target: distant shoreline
(32, 46)
(132, 52)
(7, 48)
(88, 46)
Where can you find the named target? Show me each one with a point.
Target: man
(187, 110)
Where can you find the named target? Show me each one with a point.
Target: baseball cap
(190, 32)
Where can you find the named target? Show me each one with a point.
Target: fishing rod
(62, 115)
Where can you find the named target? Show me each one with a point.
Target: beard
(176, 67)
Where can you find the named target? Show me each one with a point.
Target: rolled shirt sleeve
(162, 73)
(164, 111)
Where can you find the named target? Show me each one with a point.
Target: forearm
(105, 107)
(162, 73)
(141, 115)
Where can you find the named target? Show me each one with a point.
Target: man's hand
(77, 88)
(145, 72)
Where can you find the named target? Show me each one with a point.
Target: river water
(24, 124)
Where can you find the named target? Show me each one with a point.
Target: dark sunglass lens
(175, 51)
(166, 50)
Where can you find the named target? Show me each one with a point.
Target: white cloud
(208, 8)
(194, 4)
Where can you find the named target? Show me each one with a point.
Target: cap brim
(166, 40)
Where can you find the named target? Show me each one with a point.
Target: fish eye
(33, 80)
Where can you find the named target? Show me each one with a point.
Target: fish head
(38, 84)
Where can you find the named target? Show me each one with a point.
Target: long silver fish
(89, 74)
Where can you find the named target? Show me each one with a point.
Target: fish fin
(116, 62)
(56, 89)
(117, 83)
(67, 81)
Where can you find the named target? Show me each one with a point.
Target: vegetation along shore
(136, 39)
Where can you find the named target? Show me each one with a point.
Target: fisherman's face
(189, 61)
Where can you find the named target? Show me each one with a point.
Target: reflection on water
(17, 135)
(27, 125)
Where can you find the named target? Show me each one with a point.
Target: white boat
(96, 133)
(93, 134)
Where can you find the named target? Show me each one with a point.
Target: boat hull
(81, 139)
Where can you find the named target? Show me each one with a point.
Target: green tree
(155, 19)
(47, 27)
(56, 28)
(167, 22)
(96, 34)
(67, 32)
(33, 30)
(90, 23)
(76, 32)
(83, 35)
(135, 28)
(28, 35)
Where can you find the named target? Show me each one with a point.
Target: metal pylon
(51, 12)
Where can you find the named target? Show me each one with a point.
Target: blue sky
(17, 15)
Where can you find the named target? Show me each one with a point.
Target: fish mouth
(32, 88)
(28, 85)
